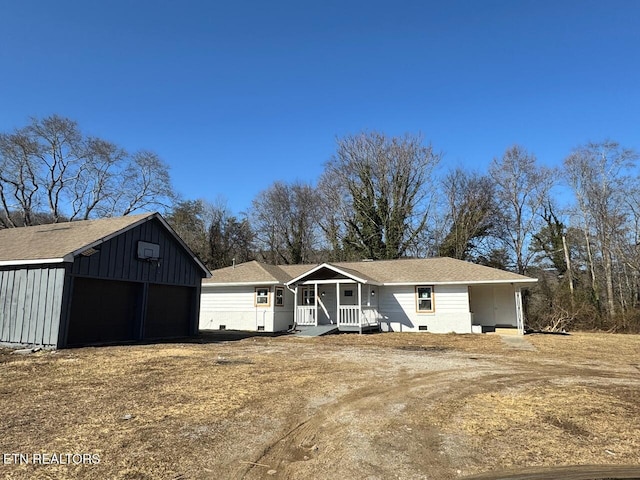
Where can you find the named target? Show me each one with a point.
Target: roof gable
(328, 271)
(61, 242)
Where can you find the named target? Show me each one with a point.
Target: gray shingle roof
(249, 272)
(423, 270)
(57, 240)
(435, 270)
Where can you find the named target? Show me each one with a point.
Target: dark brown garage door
(168, 311)
(103, 311)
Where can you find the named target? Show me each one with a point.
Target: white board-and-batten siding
(30, 305)
(398, 308)
(234, 308)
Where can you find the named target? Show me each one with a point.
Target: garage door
(169, 311)
(103, 311)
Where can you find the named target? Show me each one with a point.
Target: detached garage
(113, 280)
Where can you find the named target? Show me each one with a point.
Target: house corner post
(519, 312)
(338, 304)
(359, 307)
(315, 296)
(295, 306)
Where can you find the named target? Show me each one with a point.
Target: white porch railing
(306, 315)
(353, 316)
(349, 316)
(370, 316)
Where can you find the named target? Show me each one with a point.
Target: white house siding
(234, 307)
(283, 316)
(451, 313)
(30, 305)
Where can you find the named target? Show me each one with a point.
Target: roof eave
(531, 281)
(240, 284)
(38, 261)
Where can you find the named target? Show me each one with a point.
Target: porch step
(317, 330)
(507, 331)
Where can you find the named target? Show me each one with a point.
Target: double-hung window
(279, 295)
(309, 295)
(424, 299)
(262, 296)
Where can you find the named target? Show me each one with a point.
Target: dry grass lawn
(342, 406)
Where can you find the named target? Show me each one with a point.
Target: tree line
(575, 227)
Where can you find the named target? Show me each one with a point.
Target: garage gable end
(146, 253)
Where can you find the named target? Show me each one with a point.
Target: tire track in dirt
(373, 432)
(355, 434)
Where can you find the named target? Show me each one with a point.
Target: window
(262, 297)
(348, 293)
(424, 299)
(279, 297)
(308, 295)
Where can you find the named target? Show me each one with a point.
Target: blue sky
(236, 95)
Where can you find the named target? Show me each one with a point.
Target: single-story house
(111, 280)
(439, 295)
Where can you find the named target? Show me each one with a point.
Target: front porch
(349, 319)
(332, 297)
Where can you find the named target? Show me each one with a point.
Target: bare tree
(377, 186)
(522, 188)
(470, 214)
(599, 174)
(19, 182)
(97, 181)
(145, 184)
(60, 152)
(187, 218)
(50, 167)
(285, 220)
(230, 239)
(216, 236)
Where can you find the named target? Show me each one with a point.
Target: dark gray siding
(104, 297)
(30, 304)
(117, 259)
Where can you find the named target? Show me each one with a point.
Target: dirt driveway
(385, 406)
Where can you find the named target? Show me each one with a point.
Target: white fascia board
(475, 282)
(238, 284)
(39, 261)
(308, 272)
(328, 282)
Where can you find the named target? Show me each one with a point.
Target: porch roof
(340, 270)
